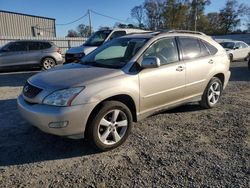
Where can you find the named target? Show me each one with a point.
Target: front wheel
(48, 63)
(110, 126)
(212, 93)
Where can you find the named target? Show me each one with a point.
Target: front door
(163, 85)
(13, 55)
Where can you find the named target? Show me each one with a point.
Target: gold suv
(124, 81)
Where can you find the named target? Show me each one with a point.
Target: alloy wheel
(214, 93)
(112, 127)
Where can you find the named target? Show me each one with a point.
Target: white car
(237, 50)
(97, 39)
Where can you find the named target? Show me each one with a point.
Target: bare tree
(72, 33)
(138, 13)
(83, 30)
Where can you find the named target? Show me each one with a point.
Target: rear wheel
(212, 93)
(48, 63)
(110, 126)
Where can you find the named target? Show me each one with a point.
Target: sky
(65, 11)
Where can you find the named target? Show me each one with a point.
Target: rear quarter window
(45, 45)
(213, 50)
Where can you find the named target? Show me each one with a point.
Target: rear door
(34, 53)
(13, 54)
(199, 63)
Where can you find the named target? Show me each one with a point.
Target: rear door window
(204, 49)
(33, 46)
(190, 48)
(45, 45)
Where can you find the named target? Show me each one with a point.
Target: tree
(72, 33)
(84, 30)
(214, 23)
(197, 8)
(155, 13)
(138, 14)
(175, 14)
(231, 15)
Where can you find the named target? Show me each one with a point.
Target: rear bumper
(42, 116)
(227, 77)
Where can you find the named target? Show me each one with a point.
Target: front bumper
(41, 116)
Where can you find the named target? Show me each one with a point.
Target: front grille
(31, 91)
(69, 58)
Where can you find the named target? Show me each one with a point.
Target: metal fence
(240, 37)
(62, 42)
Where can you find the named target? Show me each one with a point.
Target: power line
(74, 20)
(120, 20)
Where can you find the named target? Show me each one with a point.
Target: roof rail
(184, 31)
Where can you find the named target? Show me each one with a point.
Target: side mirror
(151, 62)
(236, 48)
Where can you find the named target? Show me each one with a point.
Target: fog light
(59, 124)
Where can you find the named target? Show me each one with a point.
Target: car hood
(81, 49)
(72, 75)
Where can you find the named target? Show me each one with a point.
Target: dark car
(21, 53)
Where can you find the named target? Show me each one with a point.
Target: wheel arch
(123, 98)
(221, 76)
(48, 56)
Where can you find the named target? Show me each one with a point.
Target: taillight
(58, 50)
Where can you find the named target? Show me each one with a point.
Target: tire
(247, 58)
(109, 126)
(212, 93)
(48, 63)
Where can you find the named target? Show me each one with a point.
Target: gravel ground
(184, 147)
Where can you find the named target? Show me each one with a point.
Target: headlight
(62, 97)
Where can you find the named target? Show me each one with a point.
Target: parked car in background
(30, 53)
(97, 39)
(125, 80)
(237, 50)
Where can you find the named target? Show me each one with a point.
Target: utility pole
(195, 15)
(90, 22)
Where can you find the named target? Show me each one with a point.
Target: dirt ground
(184, 147)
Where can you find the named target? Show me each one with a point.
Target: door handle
(211, 61)
(180, 68)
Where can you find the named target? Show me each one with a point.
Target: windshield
(229, 45)
(114, 54)
(97, 38)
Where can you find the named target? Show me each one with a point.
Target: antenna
(90, 23)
